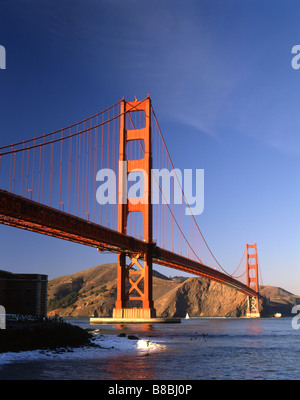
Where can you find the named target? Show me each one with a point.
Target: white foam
(149, 346)
(111, 345)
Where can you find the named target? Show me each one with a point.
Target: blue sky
(226, 96)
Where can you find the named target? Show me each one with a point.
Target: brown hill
(278, 300)
(93, 292)
(83, 293)
(275, 293)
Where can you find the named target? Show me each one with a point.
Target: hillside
(93, 292)
(278, 300)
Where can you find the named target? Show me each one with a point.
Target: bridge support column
(134, 281)
(252, 280)
(253, 307)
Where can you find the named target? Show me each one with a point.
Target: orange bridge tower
(134, 281)
(252, 280)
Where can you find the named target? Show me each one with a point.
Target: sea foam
(103, 346)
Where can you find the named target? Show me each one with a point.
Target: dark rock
(42, 335)
(132, 337)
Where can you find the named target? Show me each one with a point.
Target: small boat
(187, 316)
(277, 315)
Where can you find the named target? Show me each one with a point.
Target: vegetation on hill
(62, 301)
(70, 299)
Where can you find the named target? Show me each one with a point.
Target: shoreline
(22, 336)
(59, 336)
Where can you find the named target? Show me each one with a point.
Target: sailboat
(187, 316)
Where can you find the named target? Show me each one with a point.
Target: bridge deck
(26, 214)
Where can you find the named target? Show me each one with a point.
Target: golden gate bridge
(50, 184)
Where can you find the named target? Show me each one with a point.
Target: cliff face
(201, 297)
(93, 292)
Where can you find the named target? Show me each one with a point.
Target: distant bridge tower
(252, 280)
(134, 281)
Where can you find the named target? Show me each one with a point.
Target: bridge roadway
(26, 214)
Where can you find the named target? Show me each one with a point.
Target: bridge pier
(134, 283)
(253, 307)
(134, 313)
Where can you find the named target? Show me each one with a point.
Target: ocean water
(196, 349)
